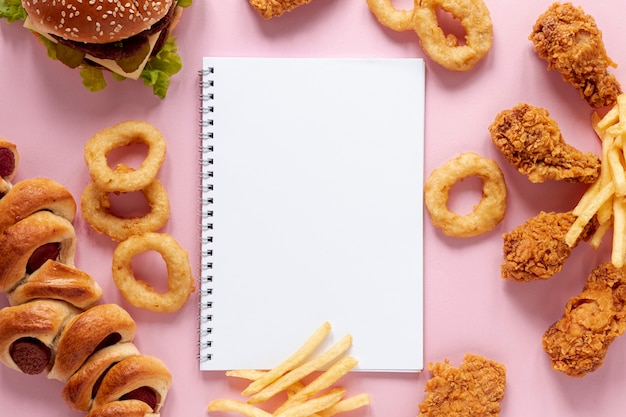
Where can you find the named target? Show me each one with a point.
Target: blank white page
(315, 207)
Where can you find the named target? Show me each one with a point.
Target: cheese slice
(107, 63)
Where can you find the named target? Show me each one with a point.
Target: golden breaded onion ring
(96, 203)
(391, 17)
(487, 213)
(180, 281)
(123, 134)
(445, 49)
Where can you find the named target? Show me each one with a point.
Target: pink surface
(468, 307)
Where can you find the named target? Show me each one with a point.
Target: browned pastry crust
(274, 8)
(42, 320)
(86, 332)
(57, 281)
(131, 374)
(19, 242)
(53, 323)
(126, 408)
(79, 390)
(32, 195)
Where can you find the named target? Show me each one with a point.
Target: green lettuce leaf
(12, 10)
(161, 67)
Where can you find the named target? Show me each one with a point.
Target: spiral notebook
(312, 173)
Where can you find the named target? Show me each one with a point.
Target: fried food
(123, 134)
(274, 8)
(604, 200)
(318, 397)
(139, 293)
(390, 16)
(570, 41)
(536, 250)
(476, 388)
(487, 213)
(444, 49)
(96, 205)
(592, 320)
(532, 142)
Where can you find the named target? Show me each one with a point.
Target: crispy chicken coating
(274, 8)
(475, 389)
(536, 249)
(592, 320)
(531, 141)
(571, 43)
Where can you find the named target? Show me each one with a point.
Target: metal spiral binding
(205, 150)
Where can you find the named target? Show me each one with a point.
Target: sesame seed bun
(96, 21)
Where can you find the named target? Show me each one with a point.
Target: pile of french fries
(606, 199)
(318, 398)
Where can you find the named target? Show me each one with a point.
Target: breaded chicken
(571, 43)
(536, 250)
(475, 389)
(532, 142)
(592, 320)
(274, 8)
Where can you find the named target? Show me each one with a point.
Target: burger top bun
(95, 21)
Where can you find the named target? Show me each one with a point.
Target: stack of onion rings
(487, 213)
(95, 203)
(441, 48)
(135, 234)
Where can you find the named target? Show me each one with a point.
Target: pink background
(468, 307)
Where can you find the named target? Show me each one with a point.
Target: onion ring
(95, 208)
(475, 19)
(391, 17)
(139, 293)
(487, 213)
(122, 134)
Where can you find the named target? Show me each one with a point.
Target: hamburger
(129, 38)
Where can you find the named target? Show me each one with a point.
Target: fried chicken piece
(475, 389)
(536, 250)
(532, 142)
(592, 320)
(274, 8)
(569, 40)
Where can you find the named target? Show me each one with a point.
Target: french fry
(587, 213)
(315, 405)
(316, 399)
(302, 371)
(619, 228)
(237, 407)
(290, 363)
(325, 380)
(347, 404)
(606, 198)
(617, 171)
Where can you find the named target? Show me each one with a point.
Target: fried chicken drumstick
(531, 141)
(571, 43)
(536, 250)
(592, 320)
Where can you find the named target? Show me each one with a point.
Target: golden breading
(578, 342)
(275, 8)
(475, 389)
